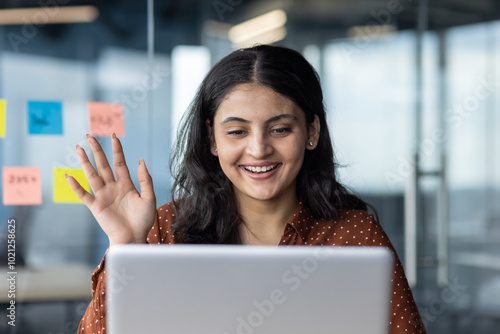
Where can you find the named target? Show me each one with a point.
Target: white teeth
(262, 169)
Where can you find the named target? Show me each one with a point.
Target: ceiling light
(371, 31)
(269, 37)
(263, 25)
(48, 15)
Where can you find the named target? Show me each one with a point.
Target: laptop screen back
(186, 289)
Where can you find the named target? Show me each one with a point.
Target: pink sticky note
(106, 119)
(21, 186)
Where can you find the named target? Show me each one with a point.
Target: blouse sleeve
(405, 317)
(94, 319)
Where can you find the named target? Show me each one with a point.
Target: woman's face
(261, 137)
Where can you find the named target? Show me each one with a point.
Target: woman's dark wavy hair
(204, 199)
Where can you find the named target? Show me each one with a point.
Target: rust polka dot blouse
(352, 228)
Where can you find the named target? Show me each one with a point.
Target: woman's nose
(259, 146)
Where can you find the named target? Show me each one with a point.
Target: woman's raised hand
(125, 215)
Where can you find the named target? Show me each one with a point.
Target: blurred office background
(412, 91)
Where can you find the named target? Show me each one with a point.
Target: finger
(145, 182)
(121, 169)
(101, 161)
(82, 194)
(94, 179)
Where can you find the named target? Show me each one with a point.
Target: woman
(253, 165)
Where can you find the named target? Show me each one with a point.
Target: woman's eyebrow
(278, 117)
(272, 119)
(234, 119)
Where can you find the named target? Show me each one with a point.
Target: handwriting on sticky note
(62, 191)
(45, 117)
(3, 113)
(21, 186)
(106, 119)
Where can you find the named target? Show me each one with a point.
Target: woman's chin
(261, 195)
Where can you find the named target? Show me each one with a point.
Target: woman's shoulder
(350, 217)
(168, 207)
(359, 227)
(349, 227)
(354, 215)
(360, 221)
(166, 213)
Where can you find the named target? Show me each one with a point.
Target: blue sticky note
(45, 118)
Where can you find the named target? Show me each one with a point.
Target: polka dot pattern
(351, 228)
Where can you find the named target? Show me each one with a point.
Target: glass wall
(58, 242)
(370, 90)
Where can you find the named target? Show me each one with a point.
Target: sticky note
(106, 119)
(21, 186)
(62, 191)
(2, 117)
(45, 118)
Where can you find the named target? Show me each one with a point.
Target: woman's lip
(260, 164)
(261, 175)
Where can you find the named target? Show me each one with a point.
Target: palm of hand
(123, 213)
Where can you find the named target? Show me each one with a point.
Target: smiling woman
(254, 165)
(260, 107)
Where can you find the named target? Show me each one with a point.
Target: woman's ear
(313, 133)
(213, 145)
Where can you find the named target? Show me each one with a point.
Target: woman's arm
(94, 319)
(405, 317)
(125, 215)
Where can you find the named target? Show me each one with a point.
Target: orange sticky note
(62, 191)
(2, 117)
(21, 186)
(106, 119)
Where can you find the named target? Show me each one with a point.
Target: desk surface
(64, 282)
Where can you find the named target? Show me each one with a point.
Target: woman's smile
(260, 168)
(261, 171)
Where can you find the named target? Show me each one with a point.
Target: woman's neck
(264, 221)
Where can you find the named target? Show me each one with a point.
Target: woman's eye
(281, 130)
(236, 132)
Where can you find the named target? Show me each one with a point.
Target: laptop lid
(215, 289)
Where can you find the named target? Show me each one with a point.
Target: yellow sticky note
(2, 117)
(62, 191)
(21, 186)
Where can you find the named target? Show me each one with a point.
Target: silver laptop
(194, 289)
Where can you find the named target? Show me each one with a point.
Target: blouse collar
(301, 222)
